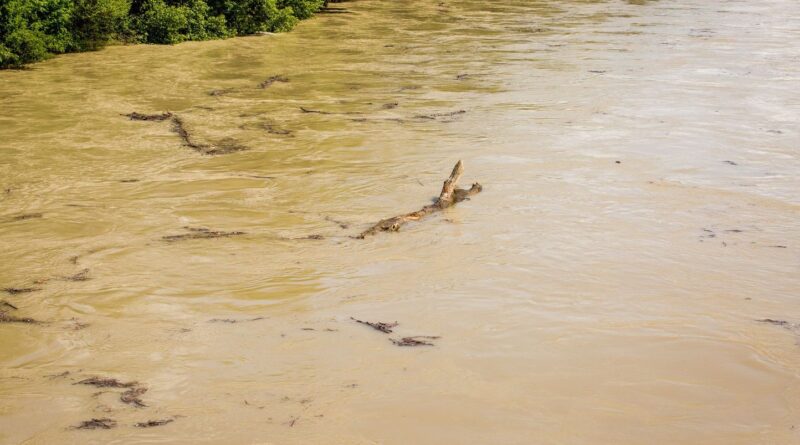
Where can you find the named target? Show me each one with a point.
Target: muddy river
(630, 273)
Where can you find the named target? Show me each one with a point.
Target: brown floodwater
(640, 214)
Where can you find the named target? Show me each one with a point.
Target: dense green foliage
(31, 30)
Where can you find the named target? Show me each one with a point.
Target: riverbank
(34, 31)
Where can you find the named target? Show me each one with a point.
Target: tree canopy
(32, 30)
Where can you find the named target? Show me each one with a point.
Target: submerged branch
(148, 117)
(224, 146)
(200, 233)
(265, 84)
(386, 328)
(6, 318)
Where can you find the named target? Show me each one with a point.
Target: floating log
(449, 196)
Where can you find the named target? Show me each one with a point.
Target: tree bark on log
(449, 196)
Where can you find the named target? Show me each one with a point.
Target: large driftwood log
(449, 196)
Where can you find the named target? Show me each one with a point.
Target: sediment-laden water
(639, 217)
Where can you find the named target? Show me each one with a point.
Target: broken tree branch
(449, 196)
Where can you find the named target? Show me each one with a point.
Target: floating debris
(201, 233)
(224, 146)
(25, 216)
(341, 224)
(6, 304)
(221, 92)
(415, 341)
(131, 396)
(311, 237)
(270, 127)
(148, 117)
(19, 290)
(710, 234)
(102, 382)
(58, 376)
(794, 328)
(153, 423)
(266, 84)
(782, 323)
(77, 325)
(259, 176)
(308, 110)
(5, 318)
(95, 424)
(386, 328)
(232, 321)
(83, 275)
(440, 116)
(179, 127)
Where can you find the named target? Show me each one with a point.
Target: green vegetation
(32, 30)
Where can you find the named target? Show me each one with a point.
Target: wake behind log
(449, 196)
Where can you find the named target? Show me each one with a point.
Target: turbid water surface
(640, 214)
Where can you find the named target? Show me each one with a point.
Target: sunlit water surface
(639, 215)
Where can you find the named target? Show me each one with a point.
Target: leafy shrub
(201, 26)
(96, 22)
(31, 30)
(175, 21)
(302, 9)
(252, 16)
(161, 23)
(24, 46)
